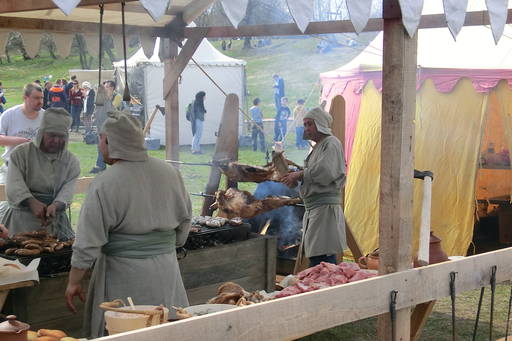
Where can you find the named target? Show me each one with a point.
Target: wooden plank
(397, 171)
(188, 50)
(32, 5)
(226, 148)
(169, 52)
(195, 9)
(64, 26)
(304, 314)
(16, 285)
(477, 18)
(419, 318)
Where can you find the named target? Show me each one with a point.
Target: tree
(15, 43)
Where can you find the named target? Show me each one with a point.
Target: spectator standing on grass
(278, 90)
(2, 98)
(18, 125)
(67, 89)
(257, 125)
(198, 121)
(76, 98)
(57, 96)
(46, 94)
(281, 119)
(89, 99)
(298, 116)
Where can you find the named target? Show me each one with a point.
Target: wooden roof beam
(33, 5)
(478, 18)
(63, 26)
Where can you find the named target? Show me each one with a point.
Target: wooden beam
(397, 147)
(304, 314)
(195, 9)
(65, 26)
(419, 318)
(169, 53)
(226, 148)
(9, 6)
(188, 50)
(477, 18)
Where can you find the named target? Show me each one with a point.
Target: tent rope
(100, 56)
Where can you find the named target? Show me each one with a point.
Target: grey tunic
(324, 175)
(132, 198)
(48, 178)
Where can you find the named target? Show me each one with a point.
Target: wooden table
(4, 290)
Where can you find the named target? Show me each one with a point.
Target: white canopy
(205, 54)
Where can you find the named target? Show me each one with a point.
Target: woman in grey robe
(134, 216)
(321, 180)
(41, 178)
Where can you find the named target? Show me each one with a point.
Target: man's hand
(52, 209)
(38, 209)
(73, 290)
(19, 140)
(291, 179)
(4, 233)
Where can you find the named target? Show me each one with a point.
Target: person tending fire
(134, 216)
(321, 182)
(41, 179)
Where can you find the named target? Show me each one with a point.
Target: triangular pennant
(455, 12)
(497, 17)
(235, 10)
(4, 36)
(66, 6)
(155, 8)
(148, 45)
(63, 43)
(411, 15)
(92, 42)
(31, 42)
(359, 11)
(302, 12)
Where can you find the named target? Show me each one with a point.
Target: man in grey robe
(321, 183)
(134, 216)
(41, 179)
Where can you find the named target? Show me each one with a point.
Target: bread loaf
(52, 333)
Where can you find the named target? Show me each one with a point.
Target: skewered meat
(247, 173)
(234, 203)
(33, 243)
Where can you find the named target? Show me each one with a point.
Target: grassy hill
(295, 59)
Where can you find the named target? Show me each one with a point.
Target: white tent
(228, 73)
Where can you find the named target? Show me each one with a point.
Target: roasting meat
(234, 203)
(247, 173)
(33, 243)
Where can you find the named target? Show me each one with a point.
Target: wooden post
(397, 171)
(226, 148)
(169, 52)
(337, 111)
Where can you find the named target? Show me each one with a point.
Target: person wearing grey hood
(41, 179)
(321, 182)
(134, 216)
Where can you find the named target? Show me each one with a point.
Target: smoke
(286, 222)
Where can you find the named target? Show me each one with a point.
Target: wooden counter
(250, 263)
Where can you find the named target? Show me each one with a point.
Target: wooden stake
(397, 172)
(169, 52)
(225, 148)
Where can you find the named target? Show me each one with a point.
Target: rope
(126, 94)
(100, 57)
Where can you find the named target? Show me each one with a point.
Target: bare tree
(15, 43)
